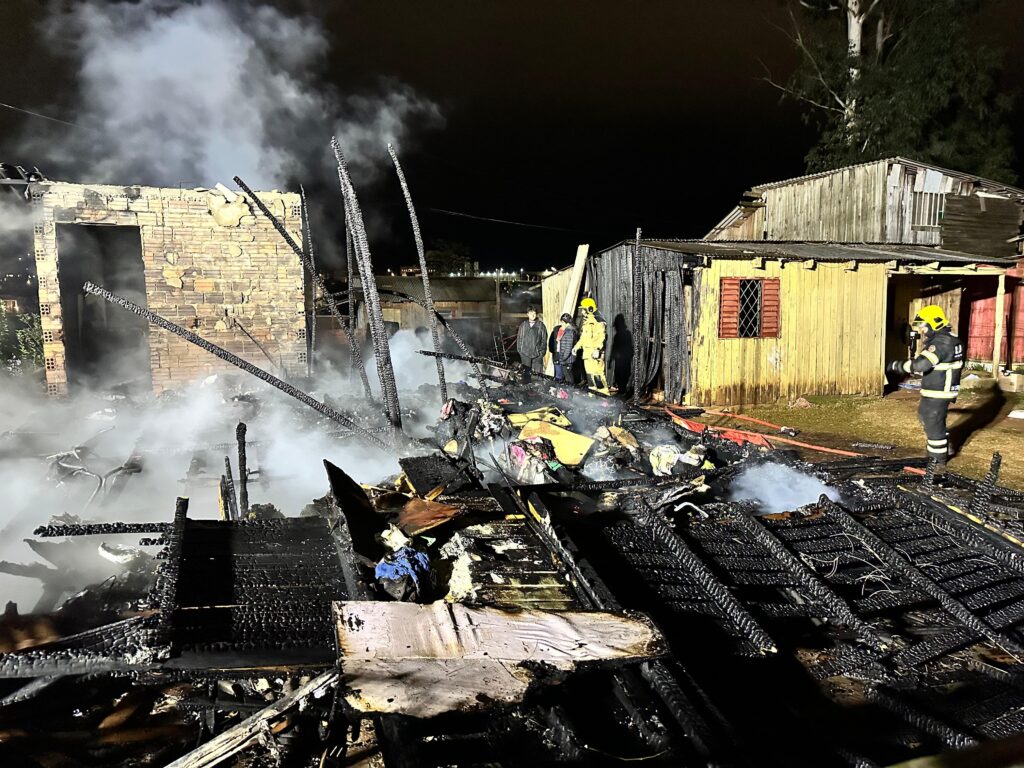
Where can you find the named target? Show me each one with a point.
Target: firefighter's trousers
(594, 369)
(932, 414)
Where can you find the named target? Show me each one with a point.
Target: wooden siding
(845, 206)
(981, 225)
(884, 201)
(980, 321)
(901, 183)
(832, 325)
(748, 226)
(552, 291)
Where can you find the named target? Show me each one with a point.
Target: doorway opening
(106, 347)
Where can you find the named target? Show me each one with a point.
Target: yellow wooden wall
(830, 342)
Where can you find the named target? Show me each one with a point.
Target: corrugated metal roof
(987, 184)
(803, 251)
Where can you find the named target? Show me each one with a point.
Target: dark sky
(594, 116)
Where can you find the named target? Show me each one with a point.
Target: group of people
(939, 364)
(564, 343)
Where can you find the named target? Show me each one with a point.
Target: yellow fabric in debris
(549, 415)
(451, 447)
(570, 448)
(624, 438)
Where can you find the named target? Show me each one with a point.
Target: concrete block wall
(208, 261)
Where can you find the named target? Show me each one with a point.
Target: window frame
(730, 307)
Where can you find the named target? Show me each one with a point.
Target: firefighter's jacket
(592, 337)
(939, 364)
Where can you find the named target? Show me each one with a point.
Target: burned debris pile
(552, 576)
(498, 570)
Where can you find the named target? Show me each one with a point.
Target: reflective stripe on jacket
(939, 365)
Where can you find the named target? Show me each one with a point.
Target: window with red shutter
(729, 309)
(749, 308)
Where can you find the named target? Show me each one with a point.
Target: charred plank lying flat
(99, 529)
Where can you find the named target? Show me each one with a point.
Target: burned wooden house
(808, 286)
(201, 257)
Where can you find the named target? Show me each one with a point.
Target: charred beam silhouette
(378, 332)
(243, 471)
(428, 298)
(235, 360)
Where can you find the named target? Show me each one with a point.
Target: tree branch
(796, 94)
(798, 41)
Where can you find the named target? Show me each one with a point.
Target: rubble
(549, 576)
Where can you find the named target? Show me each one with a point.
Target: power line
(502, 221)
(37, 114)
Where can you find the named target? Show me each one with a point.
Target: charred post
(427, 296)
(243, 471)
(378, 332)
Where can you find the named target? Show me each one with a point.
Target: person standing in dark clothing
(532, 341)
(562, 340)
(939, 365)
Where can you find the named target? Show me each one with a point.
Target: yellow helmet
(589, 303)
(932, 316)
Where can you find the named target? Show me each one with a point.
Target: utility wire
(501, 221)
(37, 114)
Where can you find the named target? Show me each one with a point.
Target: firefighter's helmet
(590, 304)
(931, 316)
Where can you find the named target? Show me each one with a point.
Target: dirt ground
(978, 427)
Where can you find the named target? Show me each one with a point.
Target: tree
(446, 257)
(21, 343)
(900, 77)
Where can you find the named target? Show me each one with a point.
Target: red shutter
(771, 308)
(729, 308)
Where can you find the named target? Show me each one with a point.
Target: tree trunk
(854, 46)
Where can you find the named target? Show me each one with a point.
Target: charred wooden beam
(243, 471)
(428, 298)
(385, 370)
(235, 360)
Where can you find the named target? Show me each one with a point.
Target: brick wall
(208, 262)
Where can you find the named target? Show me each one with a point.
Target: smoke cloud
(168, 434)
(778, 488)
(197, 92)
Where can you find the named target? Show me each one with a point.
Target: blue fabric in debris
(405, 562)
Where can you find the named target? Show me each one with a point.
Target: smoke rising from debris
(285, 450)
(778, 488)
(194, 93)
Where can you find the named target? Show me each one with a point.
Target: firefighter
(592, 338)
(939, 364)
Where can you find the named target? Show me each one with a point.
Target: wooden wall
(981, 225)
(553, 290)
(830, 342)
(845, 206)
(875, 203)
(749, 226)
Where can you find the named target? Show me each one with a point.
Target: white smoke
(778, 488)
(197, 92)
(412, 369)
(285, 456)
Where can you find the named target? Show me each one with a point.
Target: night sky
(589, 117)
